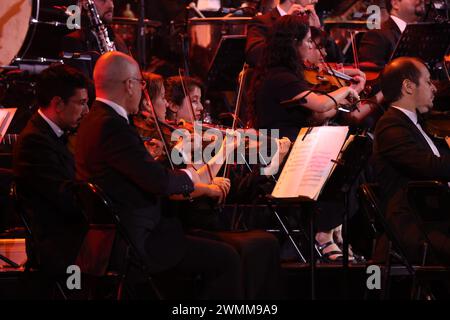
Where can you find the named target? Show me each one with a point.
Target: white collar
(281, 11)
(56, 129)
(117, 107)
(401, 24)
(410, 114)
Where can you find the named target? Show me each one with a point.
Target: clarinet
(101, 33)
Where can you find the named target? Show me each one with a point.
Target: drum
(32, 29)
(205, 36)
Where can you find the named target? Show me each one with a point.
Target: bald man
(111, 154)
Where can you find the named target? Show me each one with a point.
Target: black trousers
(218, 263)
(259, 254)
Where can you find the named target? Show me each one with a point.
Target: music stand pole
(9, 262)
(141, 46)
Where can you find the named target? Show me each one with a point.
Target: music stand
(227, 63)
(9, 261)
(428, 41)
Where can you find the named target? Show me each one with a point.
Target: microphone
(193, 6)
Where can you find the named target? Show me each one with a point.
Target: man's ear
(128, 87)
(58, 103)
(395, 4)
(408, 86)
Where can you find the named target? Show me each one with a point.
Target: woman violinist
(281, 78)
(144, 121)
(259, 250)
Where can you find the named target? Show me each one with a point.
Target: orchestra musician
(403, 152)
(44, 170)
(377, 46)
(114, 157)
(261, 26)
(85, 41)
(281, 78)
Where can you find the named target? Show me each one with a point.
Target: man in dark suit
(377, 46)
(84, 41)
(403, 152)
(113, 156)
(259, 30)
(44, 168)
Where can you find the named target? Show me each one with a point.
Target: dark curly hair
(281, 51)
(174, 88)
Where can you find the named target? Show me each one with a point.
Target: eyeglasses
(142, 81)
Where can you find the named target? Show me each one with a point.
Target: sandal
(352, 257)
(326, 256)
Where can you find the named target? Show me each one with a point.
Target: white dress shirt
(401, 24)
(116, 107)
(413, 117)
(281, 11)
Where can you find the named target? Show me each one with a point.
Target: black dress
(281, 84)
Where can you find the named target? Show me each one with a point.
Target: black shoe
(325, 257)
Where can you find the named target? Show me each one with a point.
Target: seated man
(403, 152)
(44, 168)
(260, 28)
(113, 156)
(377, 45)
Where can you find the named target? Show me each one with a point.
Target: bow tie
(421, 119)
(64, 138)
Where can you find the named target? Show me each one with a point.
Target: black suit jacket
(259, 31)
(378, 45)
(401, 155)
(257, 34)
(44, 171)
(111, 154)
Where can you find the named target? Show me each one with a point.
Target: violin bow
(191, 109)
(158, 127)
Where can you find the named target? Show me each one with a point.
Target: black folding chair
(33, 260)
(420, 274)
(104, 222)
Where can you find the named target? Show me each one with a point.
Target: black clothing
(401, 154)
(84, 41)
(378, 45)
(114, 157)
(44, 172)
(280, 84)
(257, 35)
(259, 31)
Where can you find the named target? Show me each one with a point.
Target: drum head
(14, 23)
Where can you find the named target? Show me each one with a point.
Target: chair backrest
(430, 205)
(23, 210)
(370, 196)
(431, 200)
(95, 252)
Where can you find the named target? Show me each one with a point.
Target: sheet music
(208, 5)
(309, 164)
(6, 116)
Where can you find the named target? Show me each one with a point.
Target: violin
(437, 124)
(326, 78)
